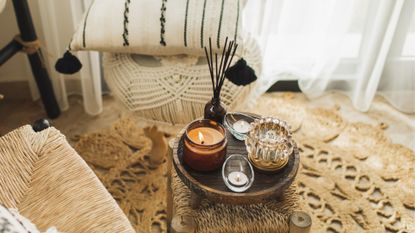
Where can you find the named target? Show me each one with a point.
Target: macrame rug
(352, 177)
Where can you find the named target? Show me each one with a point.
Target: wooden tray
(210, 184)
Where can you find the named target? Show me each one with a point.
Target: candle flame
(201, 138)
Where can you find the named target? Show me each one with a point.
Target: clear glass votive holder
(237, 173)
(238, 124)
(269, 144)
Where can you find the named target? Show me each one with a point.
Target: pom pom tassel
(68, 64)
(240, 73)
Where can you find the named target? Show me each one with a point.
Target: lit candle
(237, 178)
(241, 126)
(201, 138)
(204, 145)
(205, 136)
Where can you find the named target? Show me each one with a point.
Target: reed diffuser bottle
(214, 109)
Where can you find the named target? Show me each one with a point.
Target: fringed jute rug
(352, 177)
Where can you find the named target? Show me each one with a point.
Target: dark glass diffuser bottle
(214, 110)
(217, 67)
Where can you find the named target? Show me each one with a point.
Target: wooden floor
(73, 122)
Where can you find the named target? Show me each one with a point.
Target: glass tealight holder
(269, 144)
(238, 124)
(237, 173)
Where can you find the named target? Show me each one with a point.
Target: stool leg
(195, 200)
(183, 224)
(169, 183)
(177, 223)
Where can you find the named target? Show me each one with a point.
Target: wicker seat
(43, 177)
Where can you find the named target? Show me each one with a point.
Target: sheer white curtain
(2, 5)
(59, 20)
(358, 47)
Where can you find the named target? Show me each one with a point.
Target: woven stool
(272, 216)
(173, 89)
(188, 213)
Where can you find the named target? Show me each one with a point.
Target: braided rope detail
(29, 47)
(126, 21)
(162, 22)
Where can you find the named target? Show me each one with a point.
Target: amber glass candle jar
(204, 145)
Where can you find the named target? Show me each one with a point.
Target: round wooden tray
(210, 184)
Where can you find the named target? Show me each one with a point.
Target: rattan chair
(43, 177)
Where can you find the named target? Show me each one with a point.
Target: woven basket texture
(44, 178)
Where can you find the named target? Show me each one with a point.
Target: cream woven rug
(352, 178)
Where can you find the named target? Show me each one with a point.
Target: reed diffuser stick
(217, 70)
(217, 74)
(230, 62)
(222, 59)
(210, 68)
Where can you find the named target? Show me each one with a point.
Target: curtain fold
(59, 20)
(355, 47)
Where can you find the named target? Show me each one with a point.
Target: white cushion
(164, 27)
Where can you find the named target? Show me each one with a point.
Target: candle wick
(203, 142)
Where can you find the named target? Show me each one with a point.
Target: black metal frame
(40, 125)
(28, 33)
(285, 85)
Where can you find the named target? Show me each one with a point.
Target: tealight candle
(237, 178)
(204, 145)
(237, 173)
(241, 126)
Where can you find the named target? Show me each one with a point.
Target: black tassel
(68, 64)
(240, 73)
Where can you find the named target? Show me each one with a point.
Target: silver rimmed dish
(239, 124)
